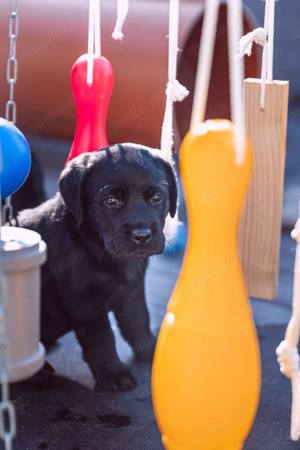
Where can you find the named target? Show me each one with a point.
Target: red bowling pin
(92, 102)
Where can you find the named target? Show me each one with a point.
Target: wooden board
(261, 223)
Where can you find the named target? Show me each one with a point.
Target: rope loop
(295, 234)
(258, 36)
(264, 37)
(175, 91)
(288, 359)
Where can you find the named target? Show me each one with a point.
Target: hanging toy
(92, 79)
(15, 159)
(206, 371)
(266, 108)
(287, 351)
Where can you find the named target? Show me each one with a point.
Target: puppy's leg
(98, 344)
(133, 319)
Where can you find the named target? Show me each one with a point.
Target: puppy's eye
(113, 201)
(156, 198)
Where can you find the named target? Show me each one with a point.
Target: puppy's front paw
(116, 380)
(144, 348)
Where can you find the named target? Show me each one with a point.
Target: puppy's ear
(171, 177)
(72, 183)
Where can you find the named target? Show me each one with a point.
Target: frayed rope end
(118, 35)
(176, 91)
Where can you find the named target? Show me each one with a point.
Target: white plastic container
(22, 252)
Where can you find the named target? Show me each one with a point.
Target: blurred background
(53, 34)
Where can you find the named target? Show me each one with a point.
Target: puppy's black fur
(100, 229)
(32, 192)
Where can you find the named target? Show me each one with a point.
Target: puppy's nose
(141, 236)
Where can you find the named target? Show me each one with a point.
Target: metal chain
(7, 409)
(12, 62)
(11, 78)
(8, 426)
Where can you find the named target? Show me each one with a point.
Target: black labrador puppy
(100, 228)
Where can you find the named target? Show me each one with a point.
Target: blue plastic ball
(15, 158)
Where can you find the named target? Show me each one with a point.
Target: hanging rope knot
(122, 15)
(288, 359)
(295, 234)
(259, 36)
(117, 35)
(176, 91)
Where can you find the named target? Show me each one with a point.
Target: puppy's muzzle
(141, 236)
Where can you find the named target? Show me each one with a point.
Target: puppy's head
(124, 192)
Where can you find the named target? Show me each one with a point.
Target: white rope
(94, 38)
(236, 72)
(267, 58)
(287, 352)
(270, 31)
(175, 91)
(265, 38)
(97, 31)
(259, 36)
(90, 62)
(236, 68)
(205, 57)
(121, 17)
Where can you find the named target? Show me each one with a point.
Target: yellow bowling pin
(206, 370)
